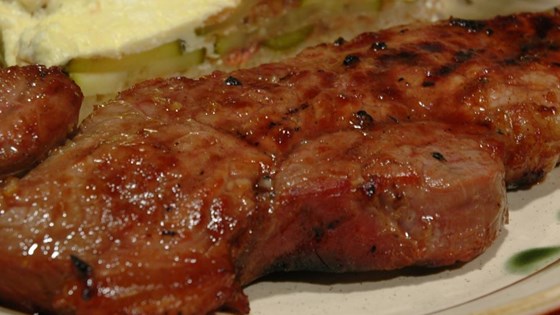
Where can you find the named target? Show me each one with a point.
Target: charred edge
(527, 180)
(438, 156)
(542, 25)
(85, 272)
(470, 25)
(350, 60)
(232, 81)
(362, 120)
(339, 41)
(379, 46)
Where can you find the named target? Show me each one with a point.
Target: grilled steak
(391, 150)
(38, 107)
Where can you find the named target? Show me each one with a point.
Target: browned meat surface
(38, 108)
(388, 151)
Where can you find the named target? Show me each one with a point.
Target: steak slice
(140, 216)
(388, 151)
(422, 194)
(39, 107)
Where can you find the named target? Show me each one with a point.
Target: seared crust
(388, 151)
(502, 73)
(39, 107)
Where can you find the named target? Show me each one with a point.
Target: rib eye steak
(391, 150)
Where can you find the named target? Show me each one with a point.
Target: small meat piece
(390, 150)
(39, 107)
(380, 200)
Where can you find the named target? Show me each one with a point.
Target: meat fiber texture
(394, 149)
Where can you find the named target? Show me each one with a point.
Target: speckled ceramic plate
(519, 274)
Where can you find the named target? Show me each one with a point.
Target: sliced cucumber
(102, 76)
(289, 39)
(227, 43)
(174, 64)
(127, 62)
(93, 83)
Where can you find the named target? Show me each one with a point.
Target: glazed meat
(388, 151)
(38, 108)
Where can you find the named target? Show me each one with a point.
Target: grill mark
(542, 25)
(432, 47)
(405, 57)
(459, 58)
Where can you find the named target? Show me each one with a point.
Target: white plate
(490, 284)
(487, 285)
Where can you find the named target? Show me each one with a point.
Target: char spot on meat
(432, 47)
(428, 83)
(373, 249)
(527, 180)
(43, 72)
(470, 25)
(369, 188)
(463, 55)
(85, 272)
(232, 81)
(83, 268)
(489, 31)
(405, 57)
(350, 60)
(361, 120)
(379, 46)
(168, 233)
(542, 25)
(339, 41)
(332, 225)
(444, 70)
(438, 156)
(318, 233)
(295, 110)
